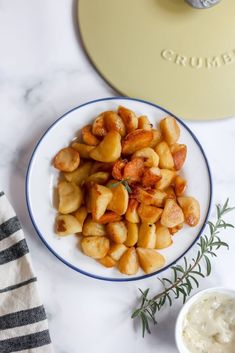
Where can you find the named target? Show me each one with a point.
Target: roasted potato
(81, 215)
(88, 137)
(150, 157)
(150, 260)
(147, 236)
(82, 149)
(166, 180)
(98, 126)
(170, 130)
(151, 197)
(148, 213)
(134, 170)
(67, 160)
(191, 210)
(107, 261)
(144, 123)
(136, 140)
(179, 153)
(117, 232)
(80, 174)
(101, 167)
(100, 196)
(116, 251)
(70, 197)
(113, 122)
(92, 228)
(109, 149)
(165, 157)
(157, 137)
(170, 193)
(131, 212)
(129, 119)
(180, 185)
(67, 225)
(128, 264)
(132, 234)
(108, 217)
(95, 247)
(172, 214)
(163, 237)
(118, 169)
(99, 177)
(176, 228)
(119, 201)
(151, 176)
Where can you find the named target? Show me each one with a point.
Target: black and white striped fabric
(23, 323)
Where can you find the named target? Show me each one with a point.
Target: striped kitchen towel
(23, 323)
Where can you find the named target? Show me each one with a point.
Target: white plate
(42, 178)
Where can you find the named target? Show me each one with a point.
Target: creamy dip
(209, 325)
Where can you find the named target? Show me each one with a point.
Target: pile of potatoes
(121, 190)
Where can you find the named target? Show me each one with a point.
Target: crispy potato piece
(180, 185)
(118, 169)
(150, 260)
(170, 193)
(144, 123)
(128, 264)
(109, 150)
(88, 137)
(92, 228)
(134, 170)
(79, 175)
(136, 140)
(101, 167)
(95, 247)
(99, 177)
(151, 177)
(66, 160)
(157, 137)
(163, 237)
(147, 236)
(81, 215)
(179, 153)
(129, 118)
(100, 198)
(113, 122)
(172, 214)
(116, 251)
(150, 197)
(108, 217)
(170, 130)
(166, 180)
(165, 157)
(107, 261)
(150, 157)
(176, 228)
(131, 212)
(70, 197)
(158, 197)
(98, 126)
(132, 234)
(119, 201)
(148, 213)
(117, 232)
(67, 225)
(82, 149)
(191, 210)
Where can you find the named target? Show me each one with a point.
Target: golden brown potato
(132, 234)
(117, 232)
(128, 264)
(148, 213)
(176, 228)
(92, 228)
(165, 157)
(101, 167)
(99, 177)
(152, 197)
(82, 149)
(98, 126)
(113, 122)
(119, 201)
(100, 198)
(147, 235)
(180, 185)
(88, 137)
(163, 237)
(95, 247)
(129, 118)
(179, 153)
(157, 136)
(144, 123)
(191, 210)
(81, 215)
(66, 160)
(109, 149)
(108, 217)
(158, 197)
(131, 212)
(151, 177)
(136, 140)
(116, 251)
(107, 261)
(150, 260)
(150, 157)
(80, 174)
(166, 180)
(170, 130)
(134, 170)
(170, 193)
(67, 225)
(172, 214)
(118, 169)
(70, 197)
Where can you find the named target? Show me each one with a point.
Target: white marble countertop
(43, 73)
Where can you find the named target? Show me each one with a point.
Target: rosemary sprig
(185, 276)
(123, 182)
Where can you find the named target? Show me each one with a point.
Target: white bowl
(183, 312)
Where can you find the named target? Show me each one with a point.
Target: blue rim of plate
(125, 279)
